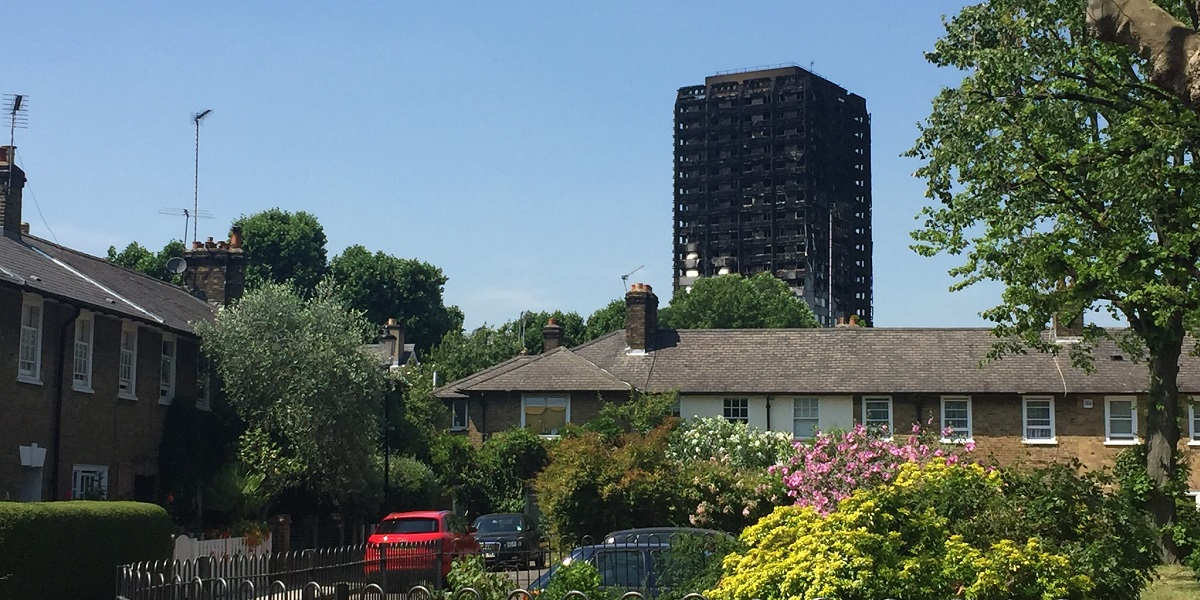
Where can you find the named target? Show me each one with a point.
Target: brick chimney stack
(10, 199)
(551, 335)
(641, 317)
(216, 271)
(394, 332)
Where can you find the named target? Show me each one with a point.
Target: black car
(509, 539)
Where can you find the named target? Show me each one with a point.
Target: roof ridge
(114, 265)
(482, 372)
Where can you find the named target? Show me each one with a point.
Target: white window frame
(890, 427)
(166, 393)
(81, 379)
(29, 301)
(76, 478)
(1053, 439)
(566, 398)
(1194, 423)
(127, 391)
(727, 407)
(816, 420)
(970, 433)
(455, 413)
(203, 380)
(1109, 440)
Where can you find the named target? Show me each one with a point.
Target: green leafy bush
(1134, 490)
(578, 576)
(592, 487)
(412, 485)
(722, 497)
(693, 564)
(493, 477)
(471, 572)
(898, 540)
(72, 549)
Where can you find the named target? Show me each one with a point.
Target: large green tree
(736, 302)
(141, 259)
(607, 319)
(295, 372)
(384, 286)
(1059, 170)
(281, 246)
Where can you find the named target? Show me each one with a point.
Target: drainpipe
(768, 413)
(58, 403)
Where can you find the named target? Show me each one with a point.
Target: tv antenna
(18, 118)
(187, 216)
(196, 176)
(625, 278)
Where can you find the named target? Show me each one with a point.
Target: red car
(418, 545)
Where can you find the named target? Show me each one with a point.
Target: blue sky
(525, 148)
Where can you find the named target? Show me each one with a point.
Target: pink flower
(969, 446)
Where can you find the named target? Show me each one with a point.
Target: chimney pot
(395, 330)
(235, 236)
(641, 317)
(10, 199)
(551, 335)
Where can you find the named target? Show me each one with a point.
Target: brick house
(1033, 407)
(91, 357)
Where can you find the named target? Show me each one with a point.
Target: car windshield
(408, 525)
(500, 524)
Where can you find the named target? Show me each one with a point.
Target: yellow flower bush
(893, 541)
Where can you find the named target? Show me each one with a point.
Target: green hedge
(72, 549)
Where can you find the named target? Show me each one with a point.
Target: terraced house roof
(840, 360)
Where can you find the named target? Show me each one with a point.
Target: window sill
(1194, 443)
(1049, 442)
(204, 407)
(83, 390)
(959, 441)
(165, 401)
(458, 429)
(549, 436)
(1122, 442)
(29, 380)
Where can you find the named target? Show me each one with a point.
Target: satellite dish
(177, 265)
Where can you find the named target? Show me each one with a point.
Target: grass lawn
(1174, 583)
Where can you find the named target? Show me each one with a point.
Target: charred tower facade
(773, 173)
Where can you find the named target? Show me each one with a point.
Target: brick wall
(98, 428)
(996, 421)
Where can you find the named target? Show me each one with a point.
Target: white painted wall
(834, 412)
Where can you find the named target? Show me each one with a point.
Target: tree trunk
(1162, 427)
(1171, 47)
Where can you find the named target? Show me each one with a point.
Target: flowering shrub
(578, 576)
(735, 444)
(471, 572)
(833, 466)
(729, 499)
(897, 540)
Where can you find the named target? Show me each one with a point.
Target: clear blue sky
(524, 148)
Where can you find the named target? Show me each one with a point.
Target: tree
(605, 320)
(295, 372)
(736, 302)
(460, 354)
(281, 246)
(571, 323)
(1061, 172)
(140, 259)
(384, 286)
(1171, 47)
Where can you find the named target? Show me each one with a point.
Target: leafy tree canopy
(140, 259)
(606, 320)
(737, 302)
(384, 286)
(281, 246)
(295, 372)
(1060, 171)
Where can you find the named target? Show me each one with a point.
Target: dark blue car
(622, 566)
